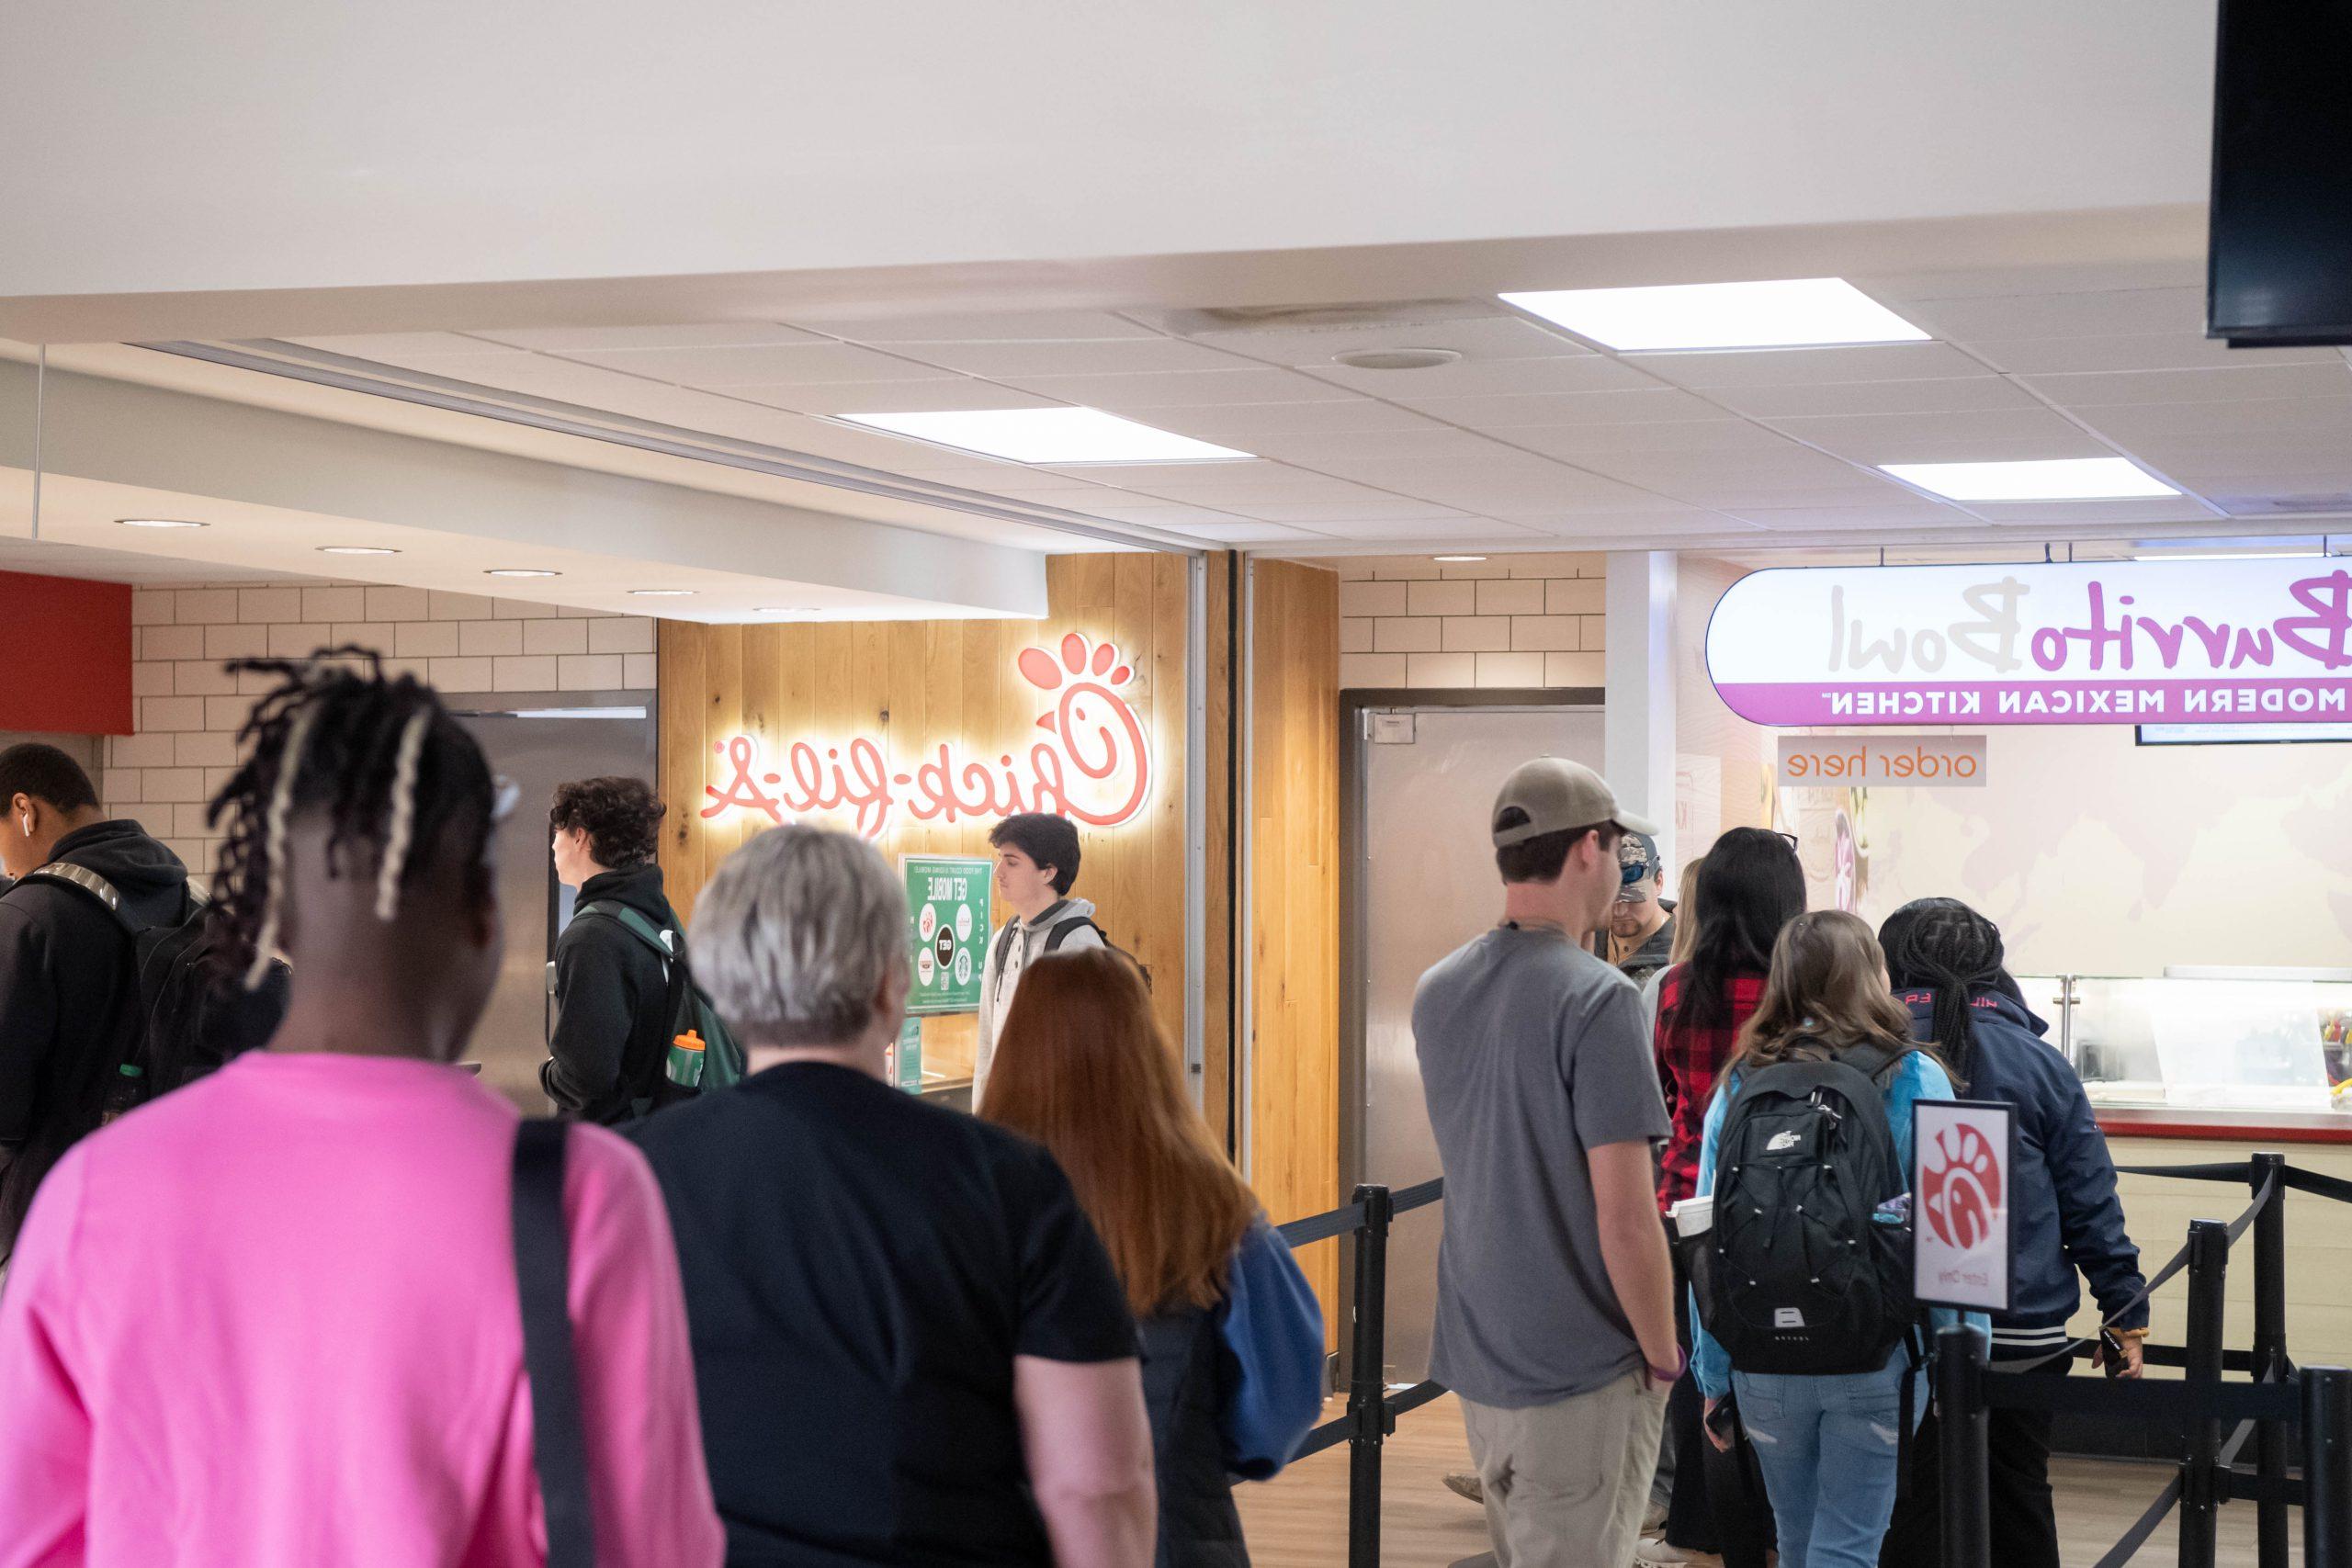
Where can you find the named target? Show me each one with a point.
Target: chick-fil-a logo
(1094, 764)
(2124, 642)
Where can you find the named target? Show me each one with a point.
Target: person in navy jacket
(1948, 965)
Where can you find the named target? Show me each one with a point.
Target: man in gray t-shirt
(1554, 1313)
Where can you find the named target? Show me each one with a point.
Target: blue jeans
(1827, 1448)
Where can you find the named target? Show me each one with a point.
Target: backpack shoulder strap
(635, 924)
(1064, 929)
(65, 874)
(542, 1273)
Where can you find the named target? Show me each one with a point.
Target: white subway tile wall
(189, 709)
(1515, 621)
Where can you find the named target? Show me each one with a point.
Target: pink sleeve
(637, 1374)
(45, 1434)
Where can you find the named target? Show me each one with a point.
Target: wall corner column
(1638, 723)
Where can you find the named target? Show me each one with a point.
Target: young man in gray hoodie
(1036, 865)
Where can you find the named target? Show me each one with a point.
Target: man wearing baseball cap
(1554, 1313)
(1640, 927)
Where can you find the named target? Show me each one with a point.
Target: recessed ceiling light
(2049, 479)
(1050, 435)
(661, 592)
(356, 550)
(159, 523)
(1797, 313)
(1398, 358)
(1453, 560)
(519, 572)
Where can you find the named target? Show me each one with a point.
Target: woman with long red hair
(1232, 1337)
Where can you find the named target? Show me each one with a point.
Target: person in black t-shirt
(911, 1346)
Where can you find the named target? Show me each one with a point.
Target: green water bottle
(685, 1060)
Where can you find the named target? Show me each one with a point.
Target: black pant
(1718, 1503)
(2024, 1523)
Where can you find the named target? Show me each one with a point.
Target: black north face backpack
(1807, 1275)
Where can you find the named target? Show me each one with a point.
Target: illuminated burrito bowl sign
(2122, 642)
(1093, 764)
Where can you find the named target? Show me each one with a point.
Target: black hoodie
(608, 1059)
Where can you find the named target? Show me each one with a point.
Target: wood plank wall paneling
(1218, 986)
(1294, 1009)
(913, 684)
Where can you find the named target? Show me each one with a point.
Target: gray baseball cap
(1554, 794)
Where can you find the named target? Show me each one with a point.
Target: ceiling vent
(1325, 318)
(1397, 358)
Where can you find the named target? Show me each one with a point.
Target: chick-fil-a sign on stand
(1093, 764)
(2112, 642)
(1963, 1219)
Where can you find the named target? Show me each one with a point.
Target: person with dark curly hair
(607, 1058)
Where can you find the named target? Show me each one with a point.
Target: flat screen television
(2280, 256)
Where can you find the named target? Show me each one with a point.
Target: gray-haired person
(909, 1344)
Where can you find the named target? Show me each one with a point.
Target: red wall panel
(64, 655)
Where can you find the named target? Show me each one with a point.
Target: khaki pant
(1566, 1482)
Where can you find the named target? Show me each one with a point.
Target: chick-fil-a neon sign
(1094, 764)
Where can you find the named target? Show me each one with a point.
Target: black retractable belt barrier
(2209, 1261)
(2327, 1467)
(2270, 1350)
(1963, 1435)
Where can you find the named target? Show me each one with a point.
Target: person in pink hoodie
(271, 1319)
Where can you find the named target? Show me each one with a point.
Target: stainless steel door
(1423, 885)
(538, 746)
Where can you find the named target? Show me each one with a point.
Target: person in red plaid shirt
(1750, 886)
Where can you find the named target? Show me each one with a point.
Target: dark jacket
(608, 1057)
(64, 961)
(1183, 1379)
(65, 977)
(2063, 1191)
(1653, 955)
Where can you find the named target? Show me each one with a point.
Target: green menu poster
(947, 906)
(906, 1066)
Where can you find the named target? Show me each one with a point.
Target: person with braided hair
(272, 1318)
(1948, 968)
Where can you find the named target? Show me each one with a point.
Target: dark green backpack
(719, 1062)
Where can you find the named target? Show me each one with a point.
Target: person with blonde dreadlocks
(272, 1318)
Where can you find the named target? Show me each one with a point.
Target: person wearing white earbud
(62, 958)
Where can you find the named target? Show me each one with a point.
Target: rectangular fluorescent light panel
(2055, 479)
(1798, 312)
(1050, 435)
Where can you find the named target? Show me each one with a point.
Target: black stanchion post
(1368, 1377)
(2270, 1349)
(2327, 1467)
(2208, 1262)
(1964, 1426)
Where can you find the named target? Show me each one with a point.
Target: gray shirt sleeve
(1608, 1066)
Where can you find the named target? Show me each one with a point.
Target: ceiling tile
(1124, 356)
(2163, 351)
(2073, 513)
(2102, 314)
(1626, 406)
(1789, 367)
(2127, 423)
(1977, 283)
(1501, 336)
(1987, 436)
(1877, 516)
(982, 326)
(1636, 525)
(950, 394)
(1256, 474)
(1183, 389)
(1385, 509)
(401, 348)
(797, 364)
(1232, 424)
(1489, 377)
(699, 334)
(1120, 506)
(1316, 449)
(1953, 394)
(1581, 444)
(2224, 384)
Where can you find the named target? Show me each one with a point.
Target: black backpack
(187, 1014)
(1060, 931)
(1805, 1274)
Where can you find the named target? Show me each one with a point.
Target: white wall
(2099, 857)
(189, 708)
(287, 144)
